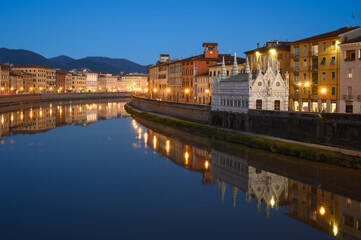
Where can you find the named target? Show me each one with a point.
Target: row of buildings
(321, 73)
(15, 79)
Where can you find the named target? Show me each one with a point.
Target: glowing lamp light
(168, 90)
(272, 51)
(167, 145)
(299, 84)
(207, 90)
(323, 90)
(322, 211)
(272, 202)
(154, 90)
(307, 84)
(257, 53)
(206, 164)
(187, 90)
(335, 230)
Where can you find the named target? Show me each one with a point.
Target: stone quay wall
(192, 112)
(335, 129)
(8, 100)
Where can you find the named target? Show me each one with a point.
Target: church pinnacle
(235, 66)
(223, 70)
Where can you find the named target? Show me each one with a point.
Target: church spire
(247, 66)
(223, 70)
(235, 66)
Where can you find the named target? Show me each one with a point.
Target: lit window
(323, 76)
(333, 45)
(349, 73)
(305, 48)
(323, 46)
(305, 62)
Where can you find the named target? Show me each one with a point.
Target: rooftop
(32, 66)
(209, 44)
(280, 46)
(332, 34)
(354, 40)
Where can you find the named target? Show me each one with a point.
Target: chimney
(257, 45)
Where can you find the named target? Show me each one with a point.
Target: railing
(314, 96)
(296, 95)
(350, 59)
(348, 97)
(295, 55)
(295, 69)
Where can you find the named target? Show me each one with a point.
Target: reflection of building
(47, 116)
(266, 187)
(194, 158)
(314, 206)
(349, 212)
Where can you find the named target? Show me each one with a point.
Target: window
(333, 45)
(323, 76)
(296, 65)
(277, 105)
(323, 62)
(333, 60)
(333, 75)
(305, 49)
(297, 51)
(305, 76)
(305, 62)
(324, 46)
(349, 73)
(279, 56)
(259, 104)
(304, 91)
(296, 78)
(350, 55)
(333, 91)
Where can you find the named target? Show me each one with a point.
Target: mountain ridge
(95, 63)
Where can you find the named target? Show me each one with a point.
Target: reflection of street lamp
(323, 91)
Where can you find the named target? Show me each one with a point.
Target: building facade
(44, 78)
(107, 82)
(315, 71)
(350, 76)
(63, 81)
(78, 83)
(175, 80)
(136, 82)
(264, 89)
(4, 78)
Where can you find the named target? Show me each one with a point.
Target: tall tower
(210, 50)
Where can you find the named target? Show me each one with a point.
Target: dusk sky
(141, 30)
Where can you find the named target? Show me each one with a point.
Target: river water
(88, 170)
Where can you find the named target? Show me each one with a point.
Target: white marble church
(263, 89)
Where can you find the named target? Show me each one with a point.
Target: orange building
(198, 65)
(63, 80)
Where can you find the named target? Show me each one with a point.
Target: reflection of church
(266, 187)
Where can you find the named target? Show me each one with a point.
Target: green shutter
(323, 61)
(333, 60)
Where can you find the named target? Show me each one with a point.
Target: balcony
(314, 96)
(348, 97)
(295, 55)
(350, 59)
(314, 53)
(314, 67)
(296, 95)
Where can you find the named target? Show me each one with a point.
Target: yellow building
(158, 79)
(44, 78)
(78, 83)
(4, 78)
(136, 82)
(278, 49)
(315, 71)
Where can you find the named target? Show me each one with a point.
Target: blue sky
(141, 30)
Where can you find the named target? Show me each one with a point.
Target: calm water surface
(87, 170)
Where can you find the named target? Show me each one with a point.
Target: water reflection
(46, 116)
(326, 211)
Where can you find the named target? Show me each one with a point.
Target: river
(88, 170)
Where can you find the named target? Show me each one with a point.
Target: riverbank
(9, 100)
(276, 146)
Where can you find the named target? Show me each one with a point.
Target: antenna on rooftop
(353, 18)
(346, 23)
